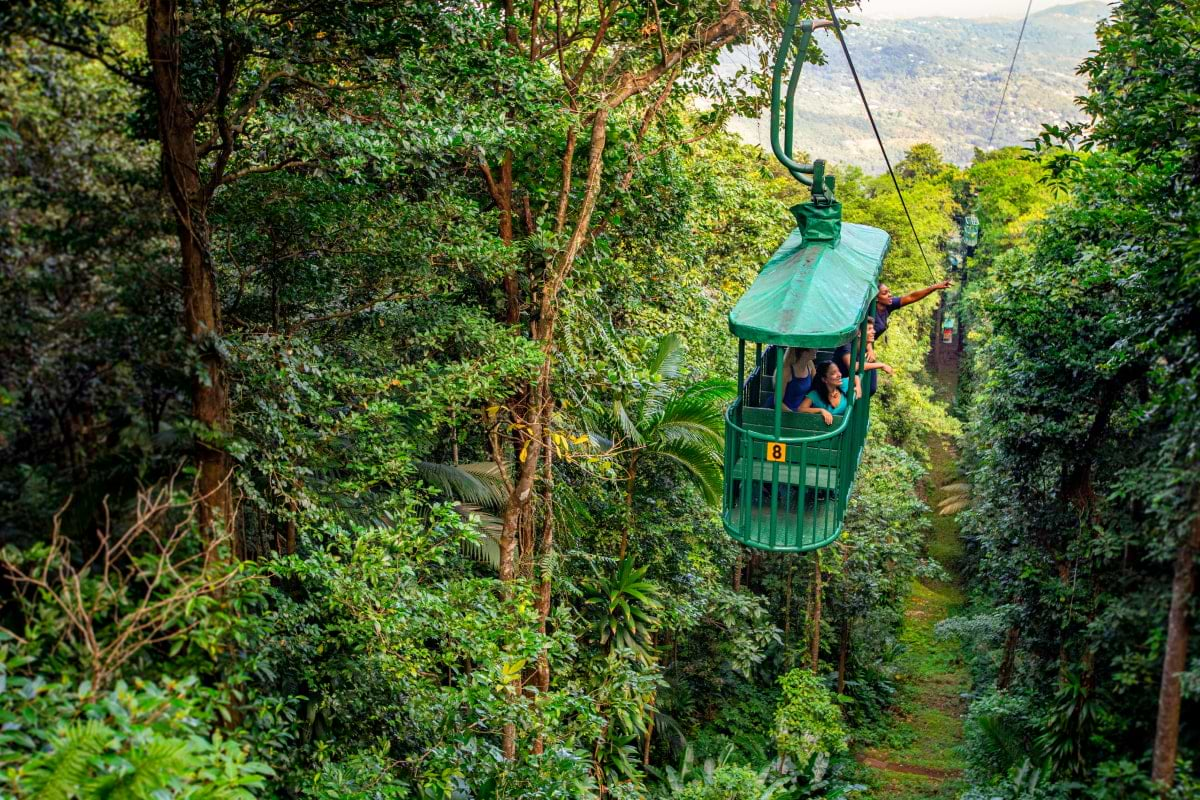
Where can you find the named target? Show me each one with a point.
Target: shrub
(999, 732)
(148, 740)
(727, 783)
(808, 722)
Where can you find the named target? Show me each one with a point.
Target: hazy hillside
(937, 80)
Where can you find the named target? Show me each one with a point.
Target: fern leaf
(61, 773)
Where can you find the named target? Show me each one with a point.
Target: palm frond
(479, 483)
(696, 412)
(952, 505)
(687, 432)
(59, 773)
(667, 360)
(686, 411)
(666, 365)
(598, 441)
(485, 549)
(720, 391)
(625, 424)
(571, 514)
(702, 464)
(148, 769)
(957, 497)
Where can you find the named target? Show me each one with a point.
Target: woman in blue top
(828, 396)
(799, 371)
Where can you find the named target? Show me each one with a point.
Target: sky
(896, 9)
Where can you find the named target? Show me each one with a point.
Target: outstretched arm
(921, 294)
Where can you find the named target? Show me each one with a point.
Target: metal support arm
(783, 150)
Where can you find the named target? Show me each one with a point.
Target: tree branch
(564, 193)
(492, 187)
(732, 24)
(350, 312)
(143, 81)
(572, 82)
(261, 168)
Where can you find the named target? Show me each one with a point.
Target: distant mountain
(937, 80)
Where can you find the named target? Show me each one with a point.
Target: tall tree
(210, 70)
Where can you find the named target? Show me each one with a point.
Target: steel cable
(837, 26)
(1011, 67)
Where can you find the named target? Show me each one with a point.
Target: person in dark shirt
(886, 302)
(843, 354)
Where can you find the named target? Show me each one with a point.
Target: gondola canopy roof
(814, 294)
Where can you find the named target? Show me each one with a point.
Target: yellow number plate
(776, 451)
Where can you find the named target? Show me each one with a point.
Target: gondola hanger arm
(784, 104)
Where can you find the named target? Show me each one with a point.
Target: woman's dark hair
(819, 382)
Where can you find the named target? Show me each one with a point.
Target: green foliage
(625, 609)
(1082, 412)
(376, 366)
(663, 418)
(391, 646)
(999, 731)
(135, 742)
(808, 721)
(730, 783)
(904, 411)
(1112, 780)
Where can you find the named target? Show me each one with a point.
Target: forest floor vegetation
(917, 754)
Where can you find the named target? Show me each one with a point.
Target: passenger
(844, 353)
(799, 369)
(828, 396)
(886, 303)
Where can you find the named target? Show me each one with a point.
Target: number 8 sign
(776, 451)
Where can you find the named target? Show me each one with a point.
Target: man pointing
(886, 303)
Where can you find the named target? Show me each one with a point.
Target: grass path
(919, 756)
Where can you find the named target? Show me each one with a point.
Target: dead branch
(139, 587)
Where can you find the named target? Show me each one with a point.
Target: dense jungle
(364, 371)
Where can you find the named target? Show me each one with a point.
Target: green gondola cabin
(970, 234)
(788, 475)
(948, 327)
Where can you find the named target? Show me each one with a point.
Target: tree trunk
(630, 480)
(521, 495)
(646, 747)
(525, 550)
(787, 605)
(542, 678)
(1166, 734)
(815, 655)
(650, 725)
(1009, 660)
(754, 561)
(843, 652)
(201, 303)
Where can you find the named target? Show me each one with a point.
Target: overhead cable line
(1004, 94)
(837, 26)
